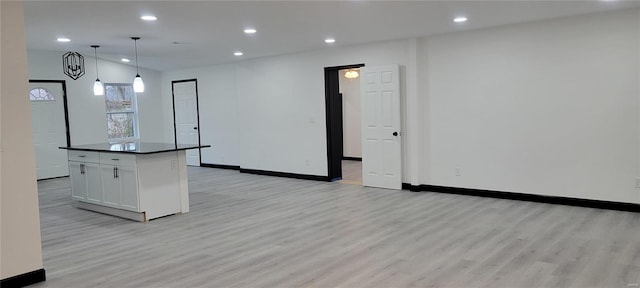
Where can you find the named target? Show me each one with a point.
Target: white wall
(548, 108)
(20, 246)
(351, 115)
(280, 120)
(218, 111)
(544, 108)
(87, 118)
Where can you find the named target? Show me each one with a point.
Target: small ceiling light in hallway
(351, 74)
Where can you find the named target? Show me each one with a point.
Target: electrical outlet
(637, 182)
(457, 171)
(307, 162)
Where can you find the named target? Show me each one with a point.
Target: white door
(186, 118)
(49, 129)
(381, 154)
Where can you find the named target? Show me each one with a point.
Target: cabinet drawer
(84, 156)
(118, 159)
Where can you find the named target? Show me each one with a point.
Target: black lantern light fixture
(138, 85)
(98, 88)
(73, 65)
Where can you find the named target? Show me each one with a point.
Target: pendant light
(98, 88)
(138, 85)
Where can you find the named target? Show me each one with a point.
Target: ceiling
(199, 33)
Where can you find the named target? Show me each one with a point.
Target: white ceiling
(210, 31)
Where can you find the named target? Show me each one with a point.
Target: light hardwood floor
(351, 172)
(258, 231)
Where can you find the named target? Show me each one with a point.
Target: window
(122, 122)
(41, 94)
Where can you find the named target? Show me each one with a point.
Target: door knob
(195, 128)
(395, 133)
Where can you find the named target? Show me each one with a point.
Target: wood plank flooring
(257, 231)
(351, 172)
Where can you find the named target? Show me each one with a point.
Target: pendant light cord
(135, 43)
(95, 53)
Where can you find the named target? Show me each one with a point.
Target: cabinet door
(129, 187)
(78, 182)
(110, 185)
(93, 183)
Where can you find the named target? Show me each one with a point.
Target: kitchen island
(134, 180)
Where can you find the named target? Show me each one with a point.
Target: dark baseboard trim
(220, 166)
(23, 280)
(285, 174)
(621, 206)
(352, 158)
(53, 178)
(412, 188)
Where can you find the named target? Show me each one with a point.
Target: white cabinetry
(78, 180)
(128, 188)
(139, 187)
(92, 176)
(119, 180)
(110, 185)
(85, 176)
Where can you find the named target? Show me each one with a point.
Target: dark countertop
(134, 147)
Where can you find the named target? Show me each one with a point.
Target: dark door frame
(173, 99)
(333, 108)
(63, 83)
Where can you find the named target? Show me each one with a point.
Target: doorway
(335, 121)
(380, 122)
(186, 117)
(349, 80)
(50, 127)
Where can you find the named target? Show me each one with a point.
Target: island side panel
(159, 184)
(184, 183)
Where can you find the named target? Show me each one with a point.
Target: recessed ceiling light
(460, 19)
(125, 60)
(238, 53)
(250, 31)
(329, 40)
(62, 39)
(149, 18)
